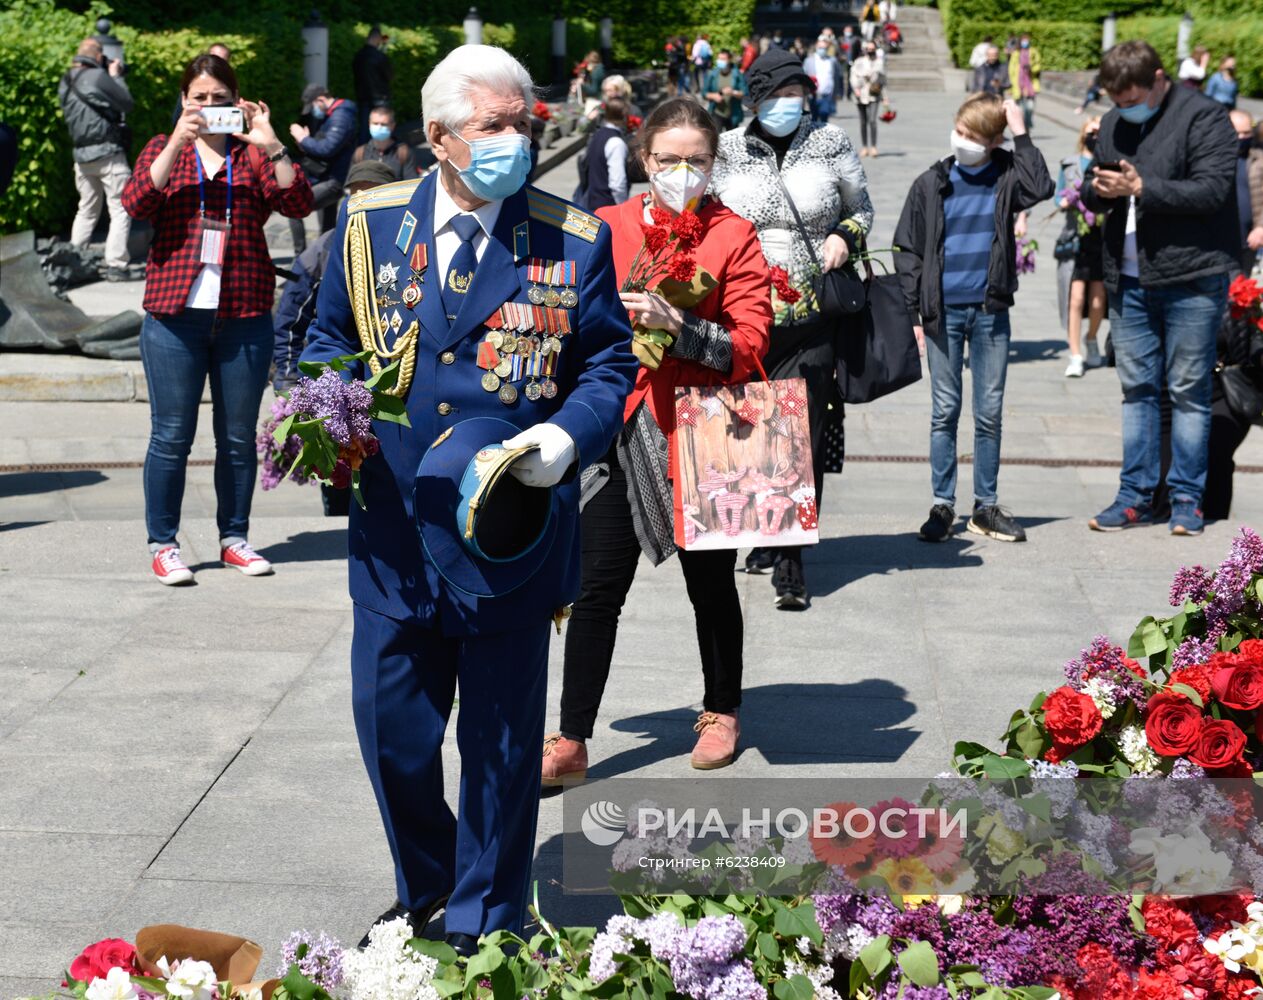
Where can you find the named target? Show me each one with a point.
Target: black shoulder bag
(839, 292)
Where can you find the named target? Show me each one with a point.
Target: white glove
(546, 466)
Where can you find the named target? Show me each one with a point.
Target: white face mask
(968, 153)
(680, 187)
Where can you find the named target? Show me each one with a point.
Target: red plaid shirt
(249, 282)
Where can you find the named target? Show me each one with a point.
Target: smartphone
(223, 118)
(1113, 165)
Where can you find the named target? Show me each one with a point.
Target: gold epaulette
(390, 195)
(560, 213)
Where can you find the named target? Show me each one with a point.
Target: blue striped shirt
(968, 232)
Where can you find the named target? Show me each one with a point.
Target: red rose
(1172, 724)
(688, 227)
(1237, 683)
(656, 238)
(681, 267)
(1243, 294)
(340, 477)
(1221, 743)
(1251, 651)
(98, 959)
(1195, 677)
(1071, 718)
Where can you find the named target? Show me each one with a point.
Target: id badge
(213, 236)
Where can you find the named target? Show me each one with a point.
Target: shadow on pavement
(16, 525)
(787, 723)
(838, 562)
(308, 546)
(1035, 350)
(16, 484)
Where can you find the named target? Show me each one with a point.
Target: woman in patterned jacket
(822, 173)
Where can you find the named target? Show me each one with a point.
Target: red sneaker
(169, 568)
(240, 556)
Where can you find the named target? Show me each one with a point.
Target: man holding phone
(1165, 170)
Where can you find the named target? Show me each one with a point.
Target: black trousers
(610, 554)
(1227, 431)
(807, 352)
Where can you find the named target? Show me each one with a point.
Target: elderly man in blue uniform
(498, 300)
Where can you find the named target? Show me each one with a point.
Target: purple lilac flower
(322, 962)
(278, 460)
(1105, 660)
(1191, 583)
(1193, 650)
(874, 913)
(1231, 579)
(893, 990)
(1185, 770)
(1074, 920)
(343, 405)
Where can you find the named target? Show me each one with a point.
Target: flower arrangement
(541, 111)
(1026, 250)
(634, 122)
(322, 429)
(1084, 218)
(1245, 297)
(665, 261)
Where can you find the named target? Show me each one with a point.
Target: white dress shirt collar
(445, 210)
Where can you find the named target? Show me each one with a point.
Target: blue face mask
(318, 113)
(721, 65)
(781, 115)
(379, 132)
(1026, 45)
(498, 165)
(1140, 113)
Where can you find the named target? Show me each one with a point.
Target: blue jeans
(1166, 335)
(179, 352)
(988, 337)
(822, 108)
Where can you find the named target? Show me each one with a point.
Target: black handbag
(1066, 247)
(877, 348)
(840, 292)
(1241, 393)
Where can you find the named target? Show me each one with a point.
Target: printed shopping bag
(743, 473)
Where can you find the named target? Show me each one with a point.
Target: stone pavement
(189, 756)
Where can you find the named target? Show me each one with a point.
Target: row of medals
(509, 344)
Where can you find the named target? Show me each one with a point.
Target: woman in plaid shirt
(208, 301)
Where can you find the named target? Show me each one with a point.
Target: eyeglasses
(702, 161)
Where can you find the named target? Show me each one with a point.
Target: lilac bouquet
(1026, 250)
(322, 430)
(1085, 218)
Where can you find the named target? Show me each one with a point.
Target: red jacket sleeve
(746, 299)
(141, 200)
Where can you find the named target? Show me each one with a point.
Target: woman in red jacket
(208, 302)
(628, 494)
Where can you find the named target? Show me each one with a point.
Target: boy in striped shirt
(957, 260)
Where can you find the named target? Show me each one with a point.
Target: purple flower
(321, 961)
(1193, 650)
(344, 406)
(1191, 583)
(1231, 579)
(1105, 660)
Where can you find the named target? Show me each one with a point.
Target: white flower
(1103, 694)
(191, 980)
(951, 903)
(117, 985)
(1136, 750)
(388, 969)
(1183, 864)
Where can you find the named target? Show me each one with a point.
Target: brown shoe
(716, 741)
(565, 761)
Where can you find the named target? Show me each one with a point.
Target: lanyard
(201, 183)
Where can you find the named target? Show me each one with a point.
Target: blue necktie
(460, 272)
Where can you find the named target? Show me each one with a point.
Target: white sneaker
(1075, 368)
(1093, 359)
(240, 556)
(169, 568)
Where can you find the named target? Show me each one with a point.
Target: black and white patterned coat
(824, 177)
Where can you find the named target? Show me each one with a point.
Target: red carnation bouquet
(1245, 297)
(634, 122)
(666, 262)
(786, 292)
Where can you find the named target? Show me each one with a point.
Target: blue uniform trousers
(404, 677)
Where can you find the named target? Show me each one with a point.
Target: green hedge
(1063, 45)
(41, 38)
(1242, 36)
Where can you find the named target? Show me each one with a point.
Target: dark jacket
(991, 78)
(1023, 183)
(398, 156)
(94, 104)
(295, 310)
(334, 143)
(372, 72)
(1186, 216)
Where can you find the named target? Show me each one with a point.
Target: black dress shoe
(465, 945)
(418, 920)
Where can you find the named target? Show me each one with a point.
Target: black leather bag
(877, 348)
(1067, 247)
(1241, 392)
(840, 292)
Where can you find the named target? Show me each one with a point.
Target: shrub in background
(1063, 45)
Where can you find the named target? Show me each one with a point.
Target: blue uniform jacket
(595, 370)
